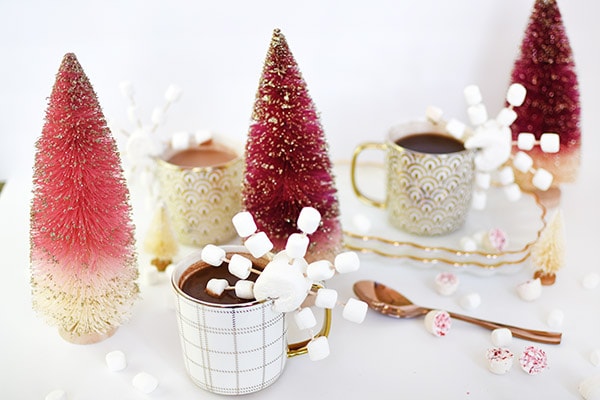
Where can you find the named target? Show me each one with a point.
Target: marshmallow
(438, 322)
(355, 311)
(525, 141)
(346, 262)
(158, 116)
(530, 290)
(470, 301)
(282, 283)
(173, 93)
(300, 265)
(472, 95)
(589, 388)
(240, 266)
(258, 244)
(305, 319)
(434, 114)
(446, 283)
(478, 200)
(555, 318)
(216, 287)
(144, 382)
(512, 192)
(309, 220)
(57, 394)
(296, 245)
(116, 361)
(244, 224)
(244, 289)
(595, 357)
(542, 179)
(456, 128)
(318, 348)
(361, 223)
(495, 240)
(477, 114)
(326, 298)
(483, 180)
(522, 161)
(500, 360)
(550, 143)
(501, 337)
(149, 274)
(213, 255)
(591, 280)
(320, 270)
(506, 117)
(468, 244)
(506, 176)
(202, 136)
(180, 141)
(515, 96)
(533, 360)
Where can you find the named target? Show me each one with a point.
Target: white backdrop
(366, 66)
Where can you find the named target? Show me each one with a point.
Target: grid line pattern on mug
(232, 350)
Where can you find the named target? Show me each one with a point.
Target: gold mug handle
(299, 348)
(361, 196)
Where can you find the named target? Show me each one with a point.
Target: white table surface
(383, 357)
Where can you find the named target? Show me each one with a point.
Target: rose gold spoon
(389, 302)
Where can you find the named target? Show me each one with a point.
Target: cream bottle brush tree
(82, 246)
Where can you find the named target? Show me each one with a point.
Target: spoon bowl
(390, 302)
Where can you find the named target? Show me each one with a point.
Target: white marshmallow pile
(288, 278)
(492, 137)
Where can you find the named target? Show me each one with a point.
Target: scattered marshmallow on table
(116, 361)
(57, 394)
(470, 301)
(468, 244)
(530, 290)
(446, 283)
(501, 337)
(589, 388)
(499, 359)
(595, 357)
(144, 382)
(533, 360)
(591, 280)
(555, 318)
(438, 322)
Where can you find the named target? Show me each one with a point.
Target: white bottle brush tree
(548, 253)
(288, 278)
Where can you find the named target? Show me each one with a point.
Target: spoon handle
(529, 334)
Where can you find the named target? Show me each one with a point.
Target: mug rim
(417, 127)
(194, 257)
(238, 158)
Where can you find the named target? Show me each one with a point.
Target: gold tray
(522, 220)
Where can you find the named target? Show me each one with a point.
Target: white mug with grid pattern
(233, 349)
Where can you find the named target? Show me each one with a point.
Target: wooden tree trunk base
(88, 338)
(547, 278)
(161, 264)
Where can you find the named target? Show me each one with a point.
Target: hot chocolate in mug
(429, 178)
(230, 346)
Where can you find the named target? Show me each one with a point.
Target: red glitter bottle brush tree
(287, 163)
(82, 246)
(546, 67)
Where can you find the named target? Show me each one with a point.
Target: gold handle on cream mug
(361, 196)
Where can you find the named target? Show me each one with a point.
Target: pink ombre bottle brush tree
(546, 68)
(287, 165)
(82, 247)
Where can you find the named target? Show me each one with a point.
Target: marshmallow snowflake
(493, 140)
(288, 278)
(144, 144)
